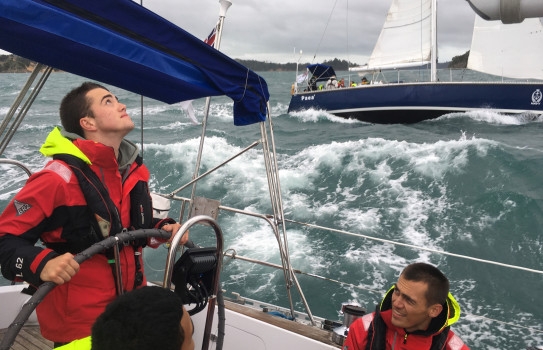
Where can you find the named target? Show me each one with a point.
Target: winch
(351, 312)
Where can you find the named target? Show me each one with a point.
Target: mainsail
(508, 50)
(406, 38)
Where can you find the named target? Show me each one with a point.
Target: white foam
(492, 117)
(373, 260)
(278, 109)
(249, 165)
(389, 174)
(35, 127)
(150, 110)
(314, 116)
(177, 125)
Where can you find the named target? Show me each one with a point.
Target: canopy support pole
(217, 44)
(26, 106)
(274, 185)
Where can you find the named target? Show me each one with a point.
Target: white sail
(508, 50)
(405, 39)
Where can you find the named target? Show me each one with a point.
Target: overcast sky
(274, 30)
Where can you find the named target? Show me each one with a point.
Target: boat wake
(491, 117)
(315, 116)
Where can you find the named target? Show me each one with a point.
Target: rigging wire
(347, 30)
(141, 4)
(324, 32)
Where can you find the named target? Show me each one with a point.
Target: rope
(245, 86)
(419, 248)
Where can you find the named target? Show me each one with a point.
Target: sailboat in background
(408, 39)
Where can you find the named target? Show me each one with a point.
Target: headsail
(406, 38)
(509, 50)
(121, 43)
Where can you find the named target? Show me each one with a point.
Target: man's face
(409, 306)
(188, 330)
(109, 114)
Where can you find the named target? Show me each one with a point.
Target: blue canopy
(121, 43)
(321, 71)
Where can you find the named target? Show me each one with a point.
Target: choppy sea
(465, 183)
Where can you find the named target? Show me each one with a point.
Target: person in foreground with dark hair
(95, 186)
(148, 318)
(416, 313)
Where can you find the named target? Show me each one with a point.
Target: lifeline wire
(419, 248)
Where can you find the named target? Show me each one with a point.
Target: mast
(433, 59)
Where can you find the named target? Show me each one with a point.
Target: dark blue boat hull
(414, 102)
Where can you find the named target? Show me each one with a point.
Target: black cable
(199, 295)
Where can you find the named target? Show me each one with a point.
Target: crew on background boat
(147, 318)
(313, 84)
(416, 313)
(331, 83)
(95, 186)
(341, 83)
(364, 81)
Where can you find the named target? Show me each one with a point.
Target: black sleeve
(20, 260)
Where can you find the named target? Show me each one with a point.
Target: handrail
(17, 163)
(171, 260)
(412, 76)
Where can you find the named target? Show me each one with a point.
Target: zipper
(117, 214)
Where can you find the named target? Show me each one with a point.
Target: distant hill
(279, 67)
(459, 61)
(16, 64)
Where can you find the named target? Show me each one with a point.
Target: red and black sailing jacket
(52, 208)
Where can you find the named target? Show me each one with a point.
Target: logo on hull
(537, 96)
(308, 98)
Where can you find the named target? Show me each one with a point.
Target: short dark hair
(147, 318)
(438, 284)
(75, 106)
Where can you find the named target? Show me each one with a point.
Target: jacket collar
(59, 141)
(449, 314)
